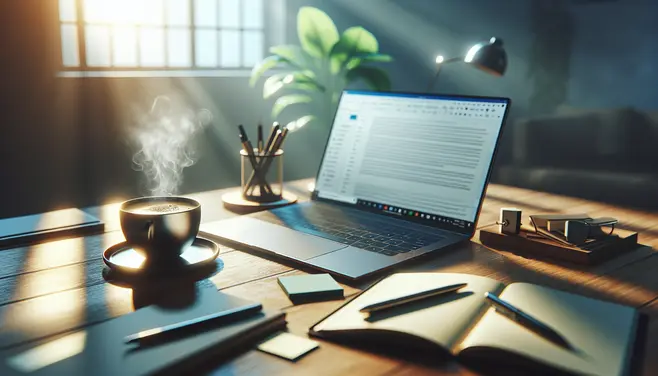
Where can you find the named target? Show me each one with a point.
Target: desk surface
(55, 287)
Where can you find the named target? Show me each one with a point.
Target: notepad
(311, 288)
(101, 349)
(464, 324)
(288, 346)
(37, 228)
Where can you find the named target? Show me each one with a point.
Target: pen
(260, 137)
(273, 134)
(168, 331)
(265, 152)
(396, 302)
(271, 145)
(284, 133)
(246, 145)
(271, 152)
(249, 149)
(526, 320)
(277, 143)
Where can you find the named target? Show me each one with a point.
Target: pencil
(260, 138)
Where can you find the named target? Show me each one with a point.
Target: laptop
(402, 175)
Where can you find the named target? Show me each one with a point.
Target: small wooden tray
(528, 244)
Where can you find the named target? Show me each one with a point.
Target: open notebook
(602, 334)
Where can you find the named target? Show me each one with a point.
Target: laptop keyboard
(351, 227)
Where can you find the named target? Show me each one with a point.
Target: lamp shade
(489, 57)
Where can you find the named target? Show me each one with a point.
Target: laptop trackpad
(353, 262)
(269, 237)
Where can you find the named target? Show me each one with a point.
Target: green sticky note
(311, 288)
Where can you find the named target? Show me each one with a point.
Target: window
(166, 34)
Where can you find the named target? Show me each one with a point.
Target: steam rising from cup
(165, 136)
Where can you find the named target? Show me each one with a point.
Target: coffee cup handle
(150, 230)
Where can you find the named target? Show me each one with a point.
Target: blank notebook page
(602, 333)
(442, 321)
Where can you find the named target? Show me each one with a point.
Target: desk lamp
(488, 56)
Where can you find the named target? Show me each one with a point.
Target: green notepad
(311, 288)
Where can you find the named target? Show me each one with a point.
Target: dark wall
(615, 55)
(64, 140)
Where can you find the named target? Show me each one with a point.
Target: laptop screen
(424, 157)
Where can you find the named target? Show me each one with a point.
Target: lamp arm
(438, 70)
(453, 60)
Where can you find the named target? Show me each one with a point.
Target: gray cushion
(606, 139)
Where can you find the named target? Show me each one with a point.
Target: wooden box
(529, 244)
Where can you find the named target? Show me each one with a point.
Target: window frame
(274, 12)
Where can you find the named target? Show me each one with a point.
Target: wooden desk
(52, 288)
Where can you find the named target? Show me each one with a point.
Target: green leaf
(317, 32)
(292, 80)
(374, 57)
(262, 67)
(299, 123)
(288, 100)
(354, 41)
(306, 79)
(273, 84)
(375, 78)
(291, 54)
(367, 58)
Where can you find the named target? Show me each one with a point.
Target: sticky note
(311, 288)
(288, 346)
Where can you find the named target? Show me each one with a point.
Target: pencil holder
(262, 176)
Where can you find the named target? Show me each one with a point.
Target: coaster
(288, 346)
(235, 202)
(124, 259)
(311, 288)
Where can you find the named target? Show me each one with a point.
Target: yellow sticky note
(288, 346)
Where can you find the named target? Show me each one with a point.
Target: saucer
(124, 259)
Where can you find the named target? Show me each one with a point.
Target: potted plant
(315, 72)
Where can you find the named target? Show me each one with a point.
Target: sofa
(608, 155)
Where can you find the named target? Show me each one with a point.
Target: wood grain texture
(230, 269)
(636, 284)
(442, 368)
(55, 287)
(527, 244)
(271, 295)
(53, 302)
(534, 202)
(625, 279)
(55, 254)
(650, 366)
(329, 359)
(60, 312)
